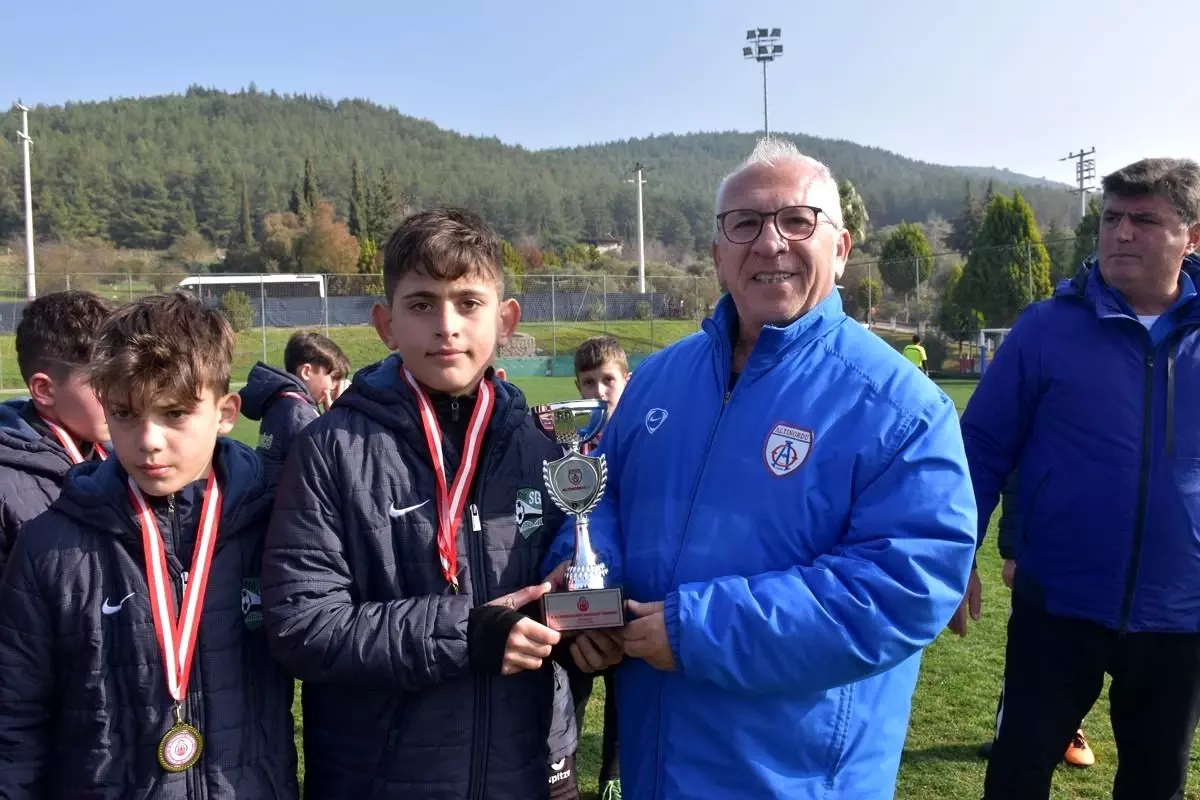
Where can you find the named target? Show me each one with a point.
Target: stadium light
(766, 49)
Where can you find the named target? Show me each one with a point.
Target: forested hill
(144, 171)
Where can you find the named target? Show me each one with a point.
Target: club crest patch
(265, 440)
(786, 449)
(529, 511)
(252, 604)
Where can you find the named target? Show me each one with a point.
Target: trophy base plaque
(585, 609)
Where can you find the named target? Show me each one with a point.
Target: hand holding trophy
(576, 483)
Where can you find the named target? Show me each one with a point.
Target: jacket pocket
(836, 751)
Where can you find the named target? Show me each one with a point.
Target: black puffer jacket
(32, 467)
(357, 607)
(83, 695)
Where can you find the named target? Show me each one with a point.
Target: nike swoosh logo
(394, 512)
(108, 610)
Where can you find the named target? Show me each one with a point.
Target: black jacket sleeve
(315, 625)
(26, 681)
(1010, 519)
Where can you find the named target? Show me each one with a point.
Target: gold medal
(181, 746)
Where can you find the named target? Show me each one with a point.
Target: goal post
(989, 340)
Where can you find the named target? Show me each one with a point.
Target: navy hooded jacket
(33, 465)
(83, 694)
(1098, 414)
(269, 396)
(357, 607)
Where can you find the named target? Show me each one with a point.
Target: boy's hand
(594, 651)
(1008, 571)
(503, 641)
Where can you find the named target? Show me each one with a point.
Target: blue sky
(1016, 84)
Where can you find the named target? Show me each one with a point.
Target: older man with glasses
(790, 512)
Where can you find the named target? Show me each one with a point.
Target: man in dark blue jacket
(287, 399)
(61, 424)
(1088, 396)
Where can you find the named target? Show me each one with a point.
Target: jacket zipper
(725, 398)
(1139, 529)
(483, 711)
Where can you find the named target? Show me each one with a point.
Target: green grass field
(956, 695)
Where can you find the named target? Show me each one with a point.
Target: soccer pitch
(955, 702)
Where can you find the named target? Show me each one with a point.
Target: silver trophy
(576, 483)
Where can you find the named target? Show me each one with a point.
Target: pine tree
(312, 194)
(356, 222)
(382, 208)
(964, 230)
(1087, 233)
(1008, 261)
(246, 225)
(854, 211)
(295, 204)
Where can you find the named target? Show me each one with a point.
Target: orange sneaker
(1079, 754)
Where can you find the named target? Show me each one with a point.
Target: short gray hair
(772, 152)
(1177, 180)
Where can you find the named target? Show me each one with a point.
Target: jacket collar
(774, 342)
(1088, 286)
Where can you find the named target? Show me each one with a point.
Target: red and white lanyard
(295, 396)
(301, 398)
(452, 500)
(177, 635)
(68, 443)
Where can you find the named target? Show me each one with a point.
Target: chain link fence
(558, 312)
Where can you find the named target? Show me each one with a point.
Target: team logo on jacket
(655, 417)
(265, 440)
(529, 511)
(786, 449)
(252, 604)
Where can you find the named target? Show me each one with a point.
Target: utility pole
(1085, 172)
(764, 48)
(917, 277)
(23, 135)
(639, 180)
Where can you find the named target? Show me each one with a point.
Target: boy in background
(397, 581)
(287, 400)
(601, 372)
(62, 423)
(132, 661)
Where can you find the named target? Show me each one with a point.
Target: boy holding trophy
(402, 566)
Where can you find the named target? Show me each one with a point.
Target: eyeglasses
(794, 223)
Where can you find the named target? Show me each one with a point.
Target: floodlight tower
(762, 45)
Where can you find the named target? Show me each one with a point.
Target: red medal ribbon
(177, 635)
(68, 443)
(452, 500)
(301, 398)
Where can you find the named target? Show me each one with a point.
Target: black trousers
(581, 691)
(1054, 671)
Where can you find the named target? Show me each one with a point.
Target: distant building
(604, 244)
